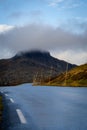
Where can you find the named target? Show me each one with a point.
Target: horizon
(42, 51)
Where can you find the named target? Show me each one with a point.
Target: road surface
(46, 108)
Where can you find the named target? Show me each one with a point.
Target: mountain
(75, 77)
(24, 66)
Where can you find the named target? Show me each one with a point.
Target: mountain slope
(24, 66)
(75, 77)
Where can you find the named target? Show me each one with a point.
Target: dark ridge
(32, 54)
(23, 67)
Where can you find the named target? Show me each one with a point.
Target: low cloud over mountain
(44, 37)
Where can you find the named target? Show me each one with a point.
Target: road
(46, 108)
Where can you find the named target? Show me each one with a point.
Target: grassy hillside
(75, 77)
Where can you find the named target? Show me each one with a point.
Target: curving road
(46, 108)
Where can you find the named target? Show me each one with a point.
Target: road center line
(21, 116)
(11, 100)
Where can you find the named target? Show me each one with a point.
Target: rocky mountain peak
(32, 54)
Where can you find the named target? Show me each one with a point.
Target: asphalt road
(19, 117)
(46, 108)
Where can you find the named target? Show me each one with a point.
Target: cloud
(44, 37)
(71, 56)
(5, 53)
(66, 4)
(5, 28)
(75, 24)
(55, 2)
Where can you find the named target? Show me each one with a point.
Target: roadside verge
(4, 120)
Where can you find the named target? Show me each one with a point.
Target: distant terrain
(25, 66)
(75, 77)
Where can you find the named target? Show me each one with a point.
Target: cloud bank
(44, 37)
(63, 4)
(4, 28)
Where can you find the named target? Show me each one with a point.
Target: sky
(57, 26)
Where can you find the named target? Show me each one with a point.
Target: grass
(76, 77)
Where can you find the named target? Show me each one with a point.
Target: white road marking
(11, 100)
(21, 116)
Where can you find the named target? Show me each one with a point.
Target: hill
(24, 66)
(75, 77)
